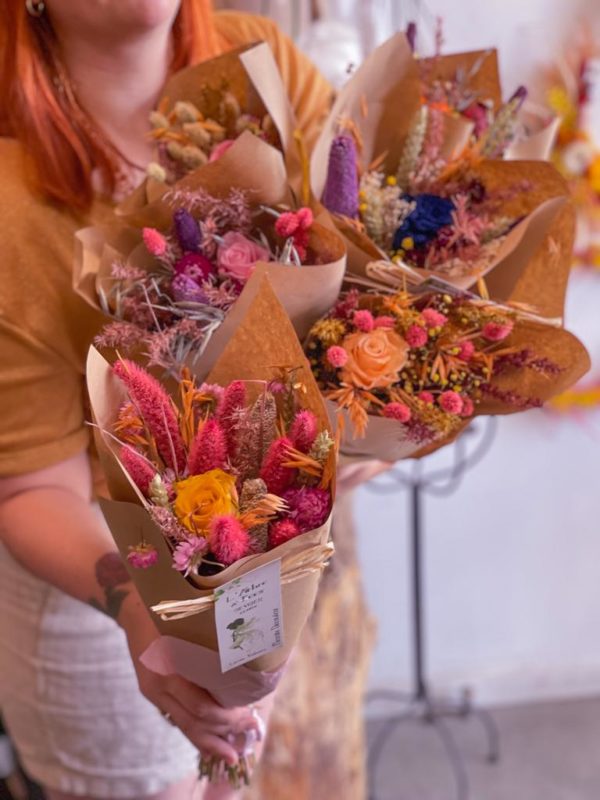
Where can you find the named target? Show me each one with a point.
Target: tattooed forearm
(111, 574)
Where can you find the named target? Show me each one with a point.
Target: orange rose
(374, 358)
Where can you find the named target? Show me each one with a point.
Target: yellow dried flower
(328, 331)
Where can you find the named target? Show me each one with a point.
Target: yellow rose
(374, 358)
(202, 497)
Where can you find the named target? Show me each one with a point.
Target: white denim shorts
(70, 700)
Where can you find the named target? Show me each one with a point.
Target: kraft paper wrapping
(252, 75)
(265, 338)
(306, 292)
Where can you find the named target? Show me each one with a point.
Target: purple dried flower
(519, 97)
(411, 35)
(340, 195)
(187, 231)
(309, 507)
(186, 290)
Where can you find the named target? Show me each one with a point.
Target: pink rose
(220, 149)
(237, 256)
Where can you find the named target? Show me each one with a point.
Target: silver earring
(35, 8)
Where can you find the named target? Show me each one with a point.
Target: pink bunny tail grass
(209, 449)
(274, 473)
(229, 540)
(234, 400)
(282, 531)
(138, 469)
(304, 430)
(156, 409)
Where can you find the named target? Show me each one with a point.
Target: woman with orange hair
(78, 81)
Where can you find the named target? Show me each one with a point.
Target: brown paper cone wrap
(264, 338)
(252, 75)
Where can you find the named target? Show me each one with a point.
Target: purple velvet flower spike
(187, 231)
(341, 189)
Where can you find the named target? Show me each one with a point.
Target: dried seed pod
(156, 172)
(186, 112)
(158, 120)
(198, 134)
(192, 157)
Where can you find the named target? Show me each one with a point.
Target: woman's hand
(353, 473)
(199, 717)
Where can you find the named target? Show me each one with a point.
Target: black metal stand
(420, 704)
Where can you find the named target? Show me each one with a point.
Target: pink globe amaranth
(426, 397)
(143, 556)
(282, 531)
(195, 266)
(397, 411)
(337, 356)
(433, 318)
(451, 402)
(467, 350)
(308, 506)
(416, 336)
(497, 331)
(363, 320)
(468, 407)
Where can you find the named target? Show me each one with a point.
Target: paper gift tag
(248, 616)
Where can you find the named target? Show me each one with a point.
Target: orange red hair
(62, 143)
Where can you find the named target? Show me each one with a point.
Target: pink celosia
(282, 531)
(228, 539)
(303, 430)
(468, 407)
(142, 556)
(467, 349)
(234, 400)
(273, 472)
(308, 507)
(426, 397)
(433, 318)
(155, 242)
(138, 469)
(156, 409)
(384, 322)
(208, 450)
(497, 331)
(451, 402)
(397, 411)
(363, 320)
(416, 336)
(337, 356)
(188, 554)
(286, 224)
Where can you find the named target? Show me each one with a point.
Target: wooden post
(316, 748)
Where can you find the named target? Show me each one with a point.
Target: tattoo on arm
(111, 574)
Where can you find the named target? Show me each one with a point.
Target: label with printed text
(248, 616)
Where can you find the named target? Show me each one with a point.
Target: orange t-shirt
(45, 328)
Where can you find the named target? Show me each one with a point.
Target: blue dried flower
(430, 214)
(341, 188)
(187, 231)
